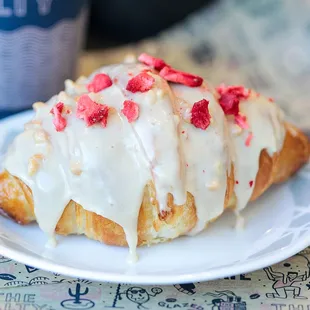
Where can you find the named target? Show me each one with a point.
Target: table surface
(25, 287)
(262, 44)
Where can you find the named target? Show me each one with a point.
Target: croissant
(142, 153)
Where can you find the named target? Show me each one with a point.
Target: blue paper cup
(40, 42)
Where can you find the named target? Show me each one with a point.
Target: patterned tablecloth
(284, 286)
(263, 44)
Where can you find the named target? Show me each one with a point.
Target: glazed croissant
(143, 153)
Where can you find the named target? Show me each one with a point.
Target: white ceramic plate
(277, 226)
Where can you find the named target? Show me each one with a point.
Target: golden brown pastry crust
(16, 200)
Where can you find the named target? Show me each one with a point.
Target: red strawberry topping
(92, 112)
(151, 61)
(230, 97)
(200, 117)
(249, 139)
(59, 121)
(241, 121)
(142, 82)
(99, 82)
(180, 77)
(251, 183)
(59, 107)
(130, 110)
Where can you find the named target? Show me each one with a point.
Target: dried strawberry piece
(59, 107)
(59, 121)
(241, 121)
(176, 76)
(249, 139)
(251, 183)
(130, 110)
(200, 116)
(230, 97)
(92, 112)
(99, 82)
(140, 83)
(151, 61)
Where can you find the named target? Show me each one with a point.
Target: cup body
(40, 42)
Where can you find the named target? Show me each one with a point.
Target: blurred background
(262, 44)
(113, 23)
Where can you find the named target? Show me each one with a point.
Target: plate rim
(216, 273)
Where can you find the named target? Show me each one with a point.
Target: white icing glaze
(106, 169)
(265, 121)
(206, 155)
(109, 158)
(155, 129)
(240, 222)
(51, 242)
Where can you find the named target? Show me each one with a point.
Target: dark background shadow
(115, 22)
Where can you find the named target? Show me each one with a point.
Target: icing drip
(240, 222)
(206, 155)
(52, 242)
(265, 122)
(106, 169)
